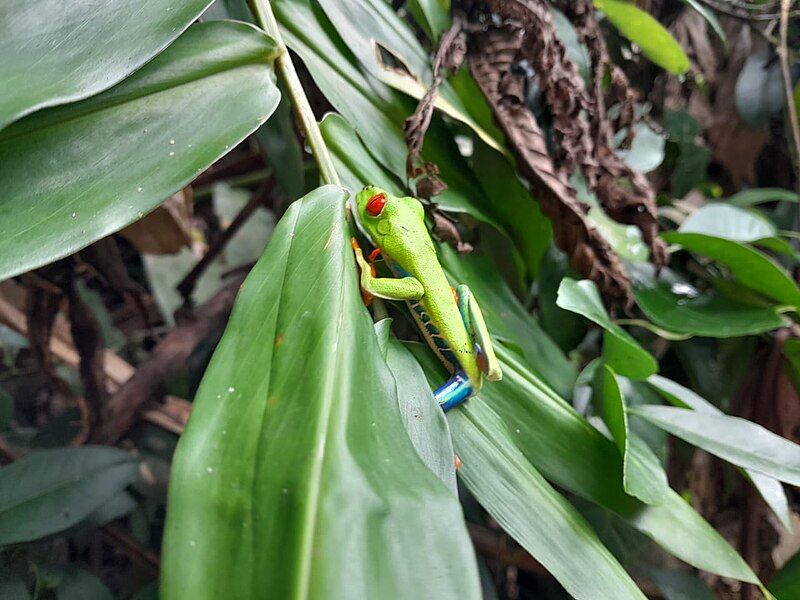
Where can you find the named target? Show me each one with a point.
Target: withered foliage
(508, 39)
(450, 55)
(498, 43)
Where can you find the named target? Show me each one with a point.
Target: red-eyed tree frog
(449, 320)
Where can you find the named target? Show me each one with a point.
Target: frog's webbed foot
(476, 327)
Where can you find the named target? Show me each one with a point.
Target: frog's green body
(450, 321)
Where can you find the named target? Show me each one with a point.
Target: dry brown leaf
(165, 230)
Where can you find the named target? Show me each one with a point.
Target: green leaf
(728, 222)
(432, 15)
(506, 484)
(620, 350)
(736, 440)
(568, 451)
(56, 52)
(749, 266)
(785, 584)
(295, 473)
(679, 307)
(626, 240)
(73, 174)
(642, 475)
(647, 150)
(639, 27)
(50, 490)
(424, 420)
(770, 489)
(366, 25)
(756, 196)
(507, 318)
(77, 584)
(12, 587)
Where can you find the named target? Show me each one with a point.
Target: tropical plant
(612, 180)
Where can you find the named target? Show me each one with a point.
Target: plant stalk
(262, 11)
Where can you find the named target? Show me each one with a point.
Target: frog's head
(382, 215)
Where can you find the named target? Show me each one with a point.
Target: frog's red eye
(375, 204)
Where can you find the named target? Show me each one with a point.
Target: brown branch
(791, 109)
(169, 357)
(186, 286)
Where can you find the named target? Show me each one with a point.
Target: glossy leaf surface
(638, 26)
(296, 474)
(48, 491)
(74, 174)
(56, 52)
(620, 350)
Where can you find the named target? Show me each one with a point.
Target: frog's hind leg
(454, 391)
(476, 327)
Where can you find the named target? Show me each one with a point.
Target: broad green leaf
(749, 266)
(295, 473)
(756, 196)
(506, 484)
(565, 327)
(679, 307)
(639, 27)
(620, 350)
(785, 584)
(729, 222)
(711, 19)
(568, 451)
(642, 475)
(56, 52)
(424, 420)
(736, 440)
(48, 491)
(770, 489)
(73, 174)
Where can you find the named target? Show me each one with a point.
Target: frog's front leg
(407, 288)
(476, 327)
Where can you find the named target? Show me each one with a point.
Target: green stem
(262, 11)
